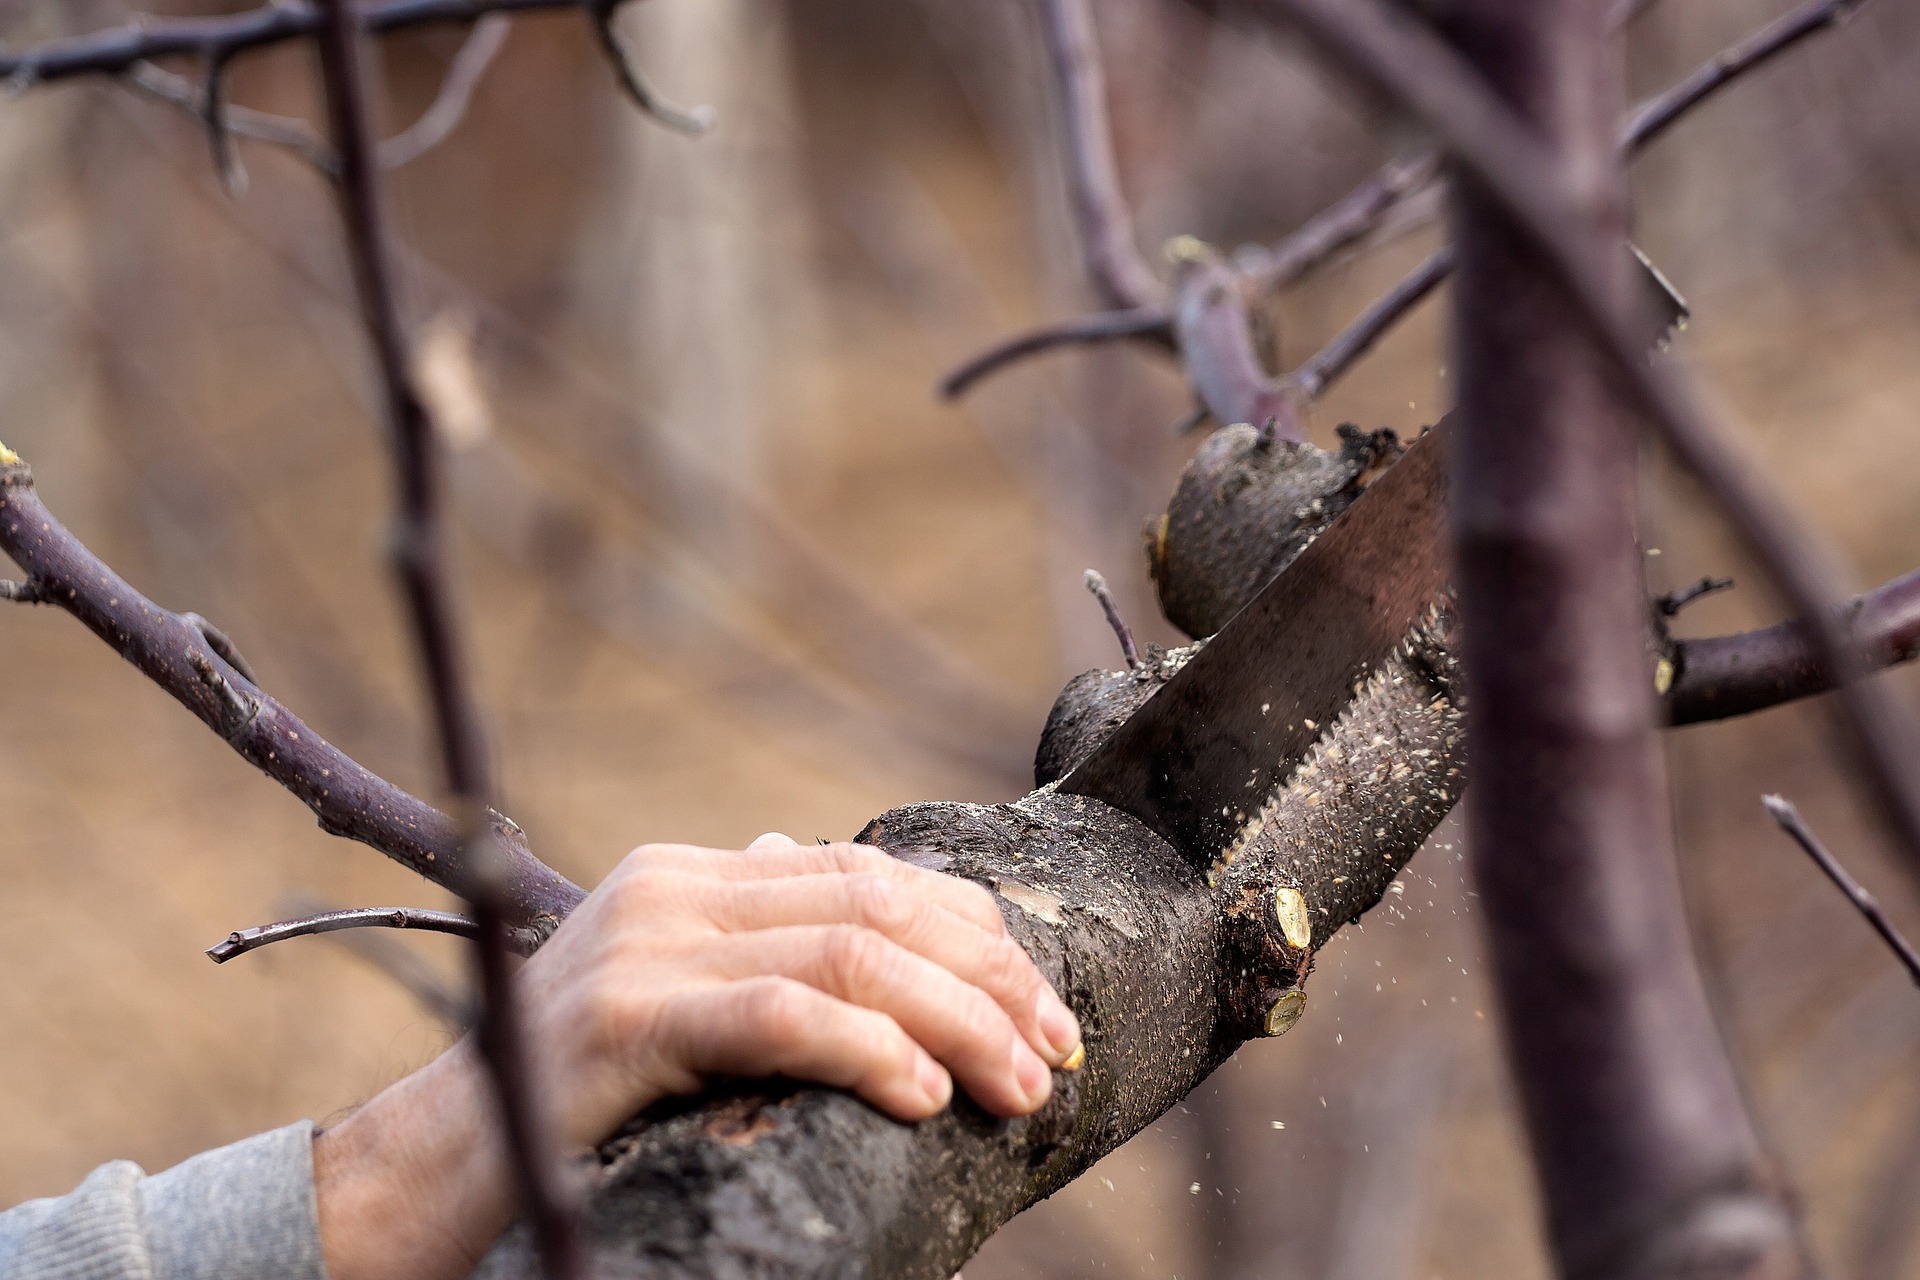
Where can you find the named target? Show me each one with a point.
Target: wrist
(415, 1183)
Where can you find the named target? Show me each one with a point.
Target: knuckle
(985, 905)
(858, 957)
(1010, 969)
(775, 1009)
(881, 903)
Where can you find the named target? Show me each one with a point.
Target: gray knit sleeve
(240, 1212)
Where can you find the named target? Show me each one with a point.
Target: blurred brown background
(733, 567)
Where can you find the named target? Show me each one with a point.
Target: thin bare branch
(172, 650)
(242, 941)
(1097, 584)
(119, 49)
(449, 106)
(281, 131)
(1214, 322)
(399, 962)
(692, 121)
(1154, 324)
(1405, 62)
(1119, 273)
(1670, 604)
(1653, 118)
(1348, 220)
(421, 554)
(1358, 338)
(1793, 824)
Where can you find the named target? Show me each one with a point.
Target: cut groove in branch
(1097, 584)
(1150, 323)
(242, 941)
(691, 121)
(1793, 824)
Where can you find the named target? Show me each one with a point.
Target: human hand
(831, 963)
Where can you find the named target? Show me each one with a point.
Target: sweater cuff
(237, 1213)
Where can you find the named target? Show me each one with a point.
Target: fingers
(776, 1026)
(768, 858)
(956, 1022)
(898, 911)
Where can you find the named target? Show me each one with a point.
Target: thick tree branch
(1119, 274)
(1783, 812)
(241, 941)
(172, 651)
(1716, 677)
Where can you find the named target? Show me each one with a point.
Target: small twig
(1793, 824)
(692, 121)
(1653, 118)
(213, 118)
(1150, 323)
(449, 106)
(242, 941)
(398, 961)
(1349, 219)
(28, 592)
(1097, 584)
(1673, 602)
(220, 643)
(1120, 274)
(245, 122)
(1358, 338)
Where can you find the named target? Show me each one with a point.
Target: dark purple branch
(175, 653)
(1653, 118)
(1213, 321)
(421, 560)
(1670, 604)
(1716, 677)
(1634, 1112)
(242, 941)
(1406, 63)
(397, 961)
(1794, 825)
(1153, 324)
(1358, 338)
(1097, 584)
(120, 49)
(1349, 219)
(1120, 275)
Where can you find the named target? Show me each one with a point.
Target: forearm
(414, 1184)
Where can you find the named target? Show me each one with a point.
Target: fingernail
(1057, 1024)
(935, 1083)
(1035, 1080)
(1077, 1059)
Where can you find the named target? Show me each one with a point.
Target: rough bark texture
(1649, 1163)
(1170, 968)
(1247, 504)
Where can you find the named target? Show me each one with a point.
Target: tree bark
(1649, 1163)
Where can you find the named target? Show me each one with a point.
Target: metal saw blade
(1199, 758)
